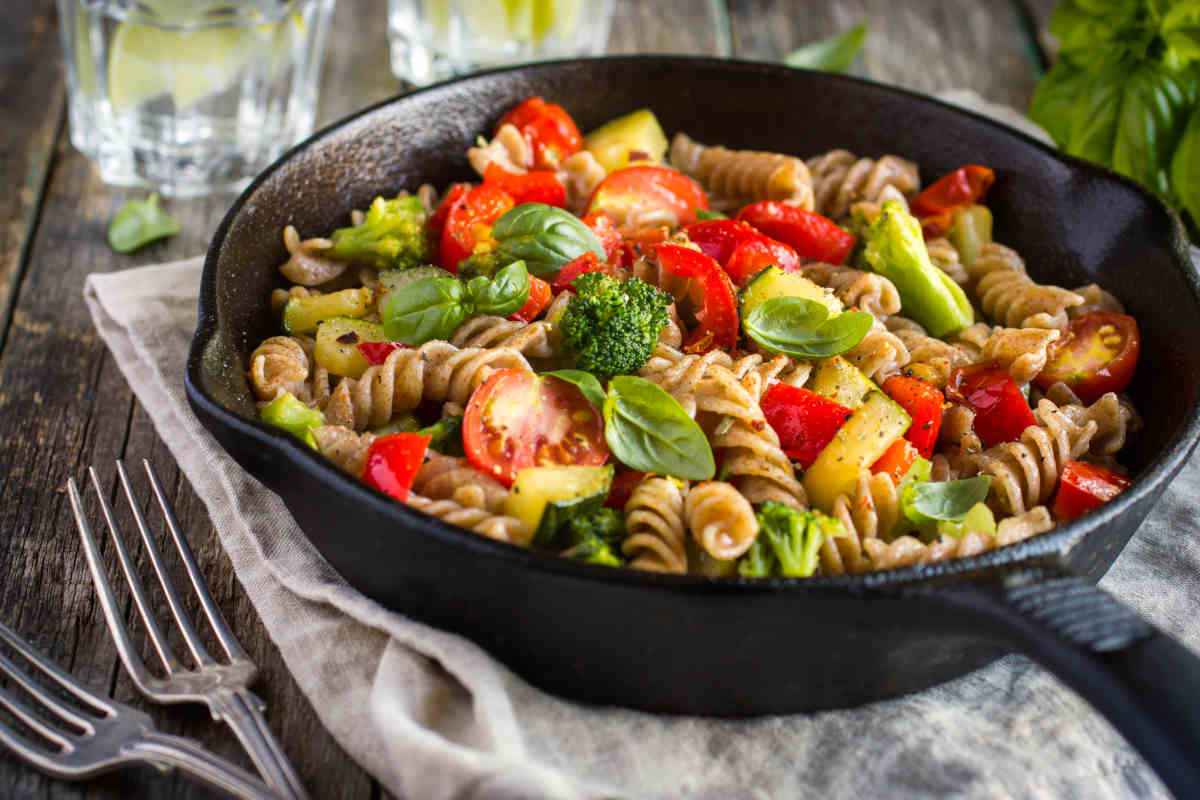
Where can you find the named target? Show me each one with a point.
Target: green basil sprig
(802, 328)
(138, 223)
(586, 382)
(433, 308)
(834, 54)
(647, 429)
(944, 500)
(544, 237)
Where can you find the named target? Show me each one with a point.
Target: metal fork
(99, 735)
(223, 687)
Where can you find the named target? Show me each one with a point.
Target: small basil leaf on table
(944, 500)
(802, 328)
(544, 237)
(427, 309)
(502, 294)
(834, 54)
(138, 223)
(586, 382)
(1185, 169)
(646, 429)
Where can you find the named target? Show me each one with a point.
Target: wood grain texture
(64, 405)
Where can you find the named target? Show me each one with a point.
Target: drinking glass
(434, 39)
(191, 96)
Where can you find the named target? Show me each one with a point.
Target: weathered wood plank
(695, 27)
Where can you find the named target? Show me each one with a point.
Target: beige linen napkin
(433, 716)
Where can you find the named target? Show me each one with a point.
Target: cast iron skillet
(692, 645)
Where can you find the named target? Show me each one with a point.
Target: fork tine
(112, 610)
(190, 636)
(24, 713)
(233, 648)
(52, 671)
(35, 753)
(43, 696)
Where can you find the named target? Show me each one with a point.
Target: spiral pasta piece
(869, 513)
(1114, 415)
(1021, 351)
(306, 265)
(682, 372)
(345, 448)
(867, 291)
(906, 551)
(446, 478)
(580, 174)
(930, 359)
(477, 520)
(945, 257)
(737, 177)
(530, 339)
(508, 149)
(655, 525)
(279, 365)
(1024, 473)
(1010, 297)
(436, 371)
(1095, 299)
(721, 520)
(840, 179)
(880, 354)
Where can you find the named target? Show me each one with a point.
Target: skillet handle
(1145, 682)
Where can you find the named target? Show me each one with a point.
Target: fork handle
(242, 711)
(164, 750)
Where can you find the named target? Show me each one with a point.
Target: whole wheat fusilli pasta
(866, 291)
(446, 478)
(945, 257)
(580, 174)
(479, 520)
(306, 265)
(279, 365)
(721, 519)
(841, 179)
(869, 513)
(737, 177)
(1021, 351)
(880, 354)
(530, 339)
(1010, 297)
(344, 447)
(508, 150)
(656, 528)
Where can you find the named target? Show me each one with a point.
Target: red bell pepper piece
(718, 315)
(1001, 411)
(623, 484)
(896, 460)
(811, 235)
(437, 221)
(377, 352)
(923, 402)
(588, 262)
(539, 186)
(1083, 487)
(804, 421)
(740, 249)
(393, 461)
(539, 298)
(962, 187)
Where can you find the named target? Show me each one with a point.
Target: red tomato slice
(377, 352)
(623, 484)
(718, 316)
(740, 249)
(588, 262)
(469, 223)
(923, 402)
(896, 460)
(539, 298)
(804, 421)
(538, 186)
(1001, 411)
(630, 194)
(963, 186)
(548, 128)
(437, 221)
(1099, 354)
(718, 238)
(606, 231)
(1083, 487)
(393, 461)
(518, 419)
(811, 235)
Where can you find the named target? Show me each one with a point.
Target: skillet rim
(1054, 544)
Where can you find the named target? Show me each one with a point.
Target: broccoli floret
(392, 236)
(788, 542)
(611, 326)
(593, 537)
(486, 263)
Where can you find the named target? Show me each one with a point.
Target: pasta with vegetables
(577, 353)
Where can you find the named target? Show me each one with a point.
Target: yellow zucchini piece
(337, 345)
(871, 430)
(638, 132)
(774, 282)
(536, 488)
(842, 382)
(304, 314)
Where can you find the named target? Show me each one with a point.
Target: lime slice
(555, 16)
(493, 22)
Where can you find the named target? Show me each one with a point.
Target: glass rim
(220, 14)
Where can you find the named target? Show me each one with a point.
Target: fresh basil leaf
(544, 237)
(586, 382)
(1180, 31)
(834, 54)
(704, 213)
(1185, 169)
(1088, 31)
(944, 500)
(801, 328)
(502, 294)
(1053, 105)
(427, 309)
(647, 429)
(138, 223)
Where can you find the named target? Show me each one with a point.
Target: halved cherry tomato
(923, 402)
(606, 231)
(1098, 355)
(588, 262)
(1083, 487)
(548, 128)
(718, 316)
(377, 352)
(539, 186)
(518, 419)
(630, 194)
(896, 460)
(804, 421)
(393, 461)
(437, 221)
(469, 223)
(962, 187)
(811, 235)
(539, 298)
(741, 249)
(1001, 411)
(623, 484)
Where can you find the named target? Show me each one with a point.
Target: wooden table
(64, 405)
